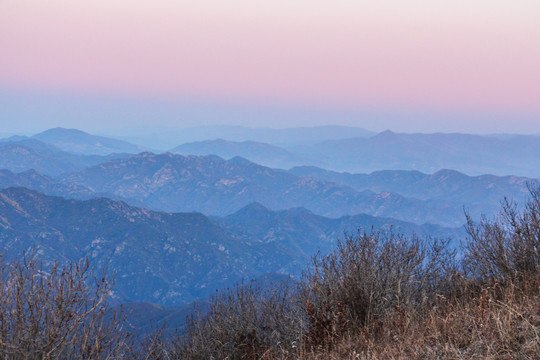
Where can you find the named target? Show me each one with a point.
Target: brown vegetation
(55, 314)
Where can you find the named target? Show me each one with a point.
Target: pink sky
(468, 55)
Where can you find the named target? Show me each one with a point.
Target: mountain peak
(385, 133)
(299, 211)
(80, 142)
(239, 160)
(254, 207)
(14, 138)
(446, 173)
(254, 211)
(60, 131)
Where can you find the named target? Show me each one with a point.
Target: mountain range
(428, 153)
(174, 258)
(174, 227)
(260, 153)
(79, 142)
(215, 186)
(334, 148)
(31, 179)
(159, 257)
(164, 140)
(483, 192)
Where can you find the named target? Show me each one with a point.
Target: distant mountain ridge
(278, 137)
(80, 142)
(445, 185)
(335, 148)
(47, 159)
(314, 232)
(260, 153)
(215, 186)
(429, 153)
(33, 180)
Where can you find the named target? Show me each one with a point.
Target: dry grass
(490, 325)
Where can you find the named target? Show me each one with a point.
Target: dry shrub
(248, 321)
(371, 276)
(507, 247)
(55, 313)
(158, 346)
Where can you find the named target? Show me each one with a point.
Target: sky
(408, 65)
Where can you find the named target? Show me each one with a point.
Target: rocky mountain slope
(215, 186)
(172, 258)
(159, 257)
(482, 193)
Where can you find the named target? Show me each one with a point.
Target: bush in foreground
(370, 276)
(507, 247)
(249, 321)
(53, 313)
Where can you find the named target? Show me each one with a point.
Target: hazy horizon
(416, 66)
(27, 113)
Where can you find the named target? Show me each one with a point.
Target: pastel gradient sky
(463, 56)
